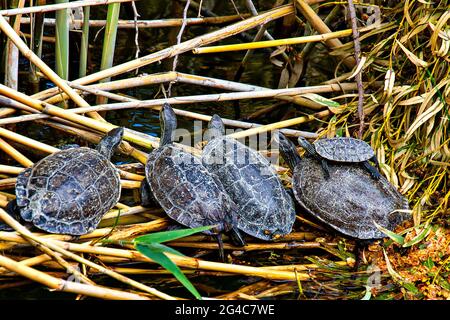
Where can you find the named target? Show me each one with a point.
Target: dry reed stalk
(36, 260)
(27, 141)
(6, 112)
(67, 286)
(128, 220)
(172, 76)
(188, 45)
(322, 28)
(112, 214)
(78, 130)
(183, 261)
(124, 147)
(105, 227)
(118, 84)
(30, 55)
(7, 183)
(310, 223)
(14, 104)
(237, 86)
(293, 236)
(304, 267)
(13, 153)
(121, 206)
(136, 137)
(42, 246)
(132, 231)
(120, 232)
(47, 148)
(47, 243)
(250, 246)
(55, 7)
(270, 93)
(130, 184)
(143, 24)
(130, 176)
(247, 289)
(190, 114)
(280, 124)
(281, 289)
(273, 43)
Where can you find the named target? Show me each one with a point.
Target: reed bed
(386, 79)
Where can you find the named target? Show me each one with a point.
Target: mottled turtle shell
(349, 200)
(265, 209)
(186, 191)
(344, 149)
(69, 191)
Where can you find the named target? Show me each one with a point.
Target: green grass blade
(158, 247)
(397, 238)
(159, 237)
(165, 262)
(419, 237)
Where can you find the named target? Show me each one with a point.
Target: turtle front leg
(326, 169)
(220, 243)
(147, 198)
(375, 160)
(372, 170)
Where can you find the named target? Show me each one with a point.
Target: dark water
(259, 71)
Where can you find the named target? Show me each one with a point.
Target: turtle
(69, 191)
(266, 210)
(341, 149)
(350, 200)
(185, 189)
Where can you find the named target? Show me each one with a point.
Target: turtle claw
(221, 251)
(236, 237)
(147, 198)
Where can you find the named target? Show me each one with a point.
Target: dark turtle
(343, 149)
(266, 210)
(350, 201)
(69, 191)
(184, 188)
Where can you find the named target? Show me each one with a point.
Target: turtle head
(287, 150)
(168, 121)
(216, 128)
(303, 143)
(110, 142)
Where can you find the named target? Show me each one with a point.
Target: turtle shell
(350, 201)
(344, 149)
(69, 191)
(186, 191)
(265, 209)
